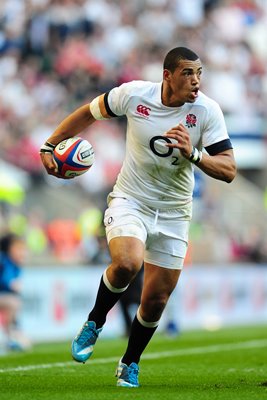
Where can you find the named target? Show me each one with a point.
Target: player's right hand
(50, 164)
(182, 140)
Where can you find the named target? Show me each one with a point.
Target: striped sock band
(144, 323)
(110, 287)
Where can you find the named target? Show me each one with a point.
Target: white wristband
(195, 156)
(47, 148)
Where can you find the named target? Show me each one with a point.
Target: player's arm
(72, 125)
(220, 166)
(219, 163)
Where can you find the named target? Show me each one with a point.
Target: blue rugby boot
(83, 344)
(127, 375)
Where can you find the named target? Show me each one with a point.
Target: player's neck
(168, 98)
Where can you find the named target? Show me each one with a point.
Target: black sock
(105, 300)
(139, 338)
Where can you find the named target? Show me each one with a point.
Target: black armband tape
(219, 147)
(110, 113)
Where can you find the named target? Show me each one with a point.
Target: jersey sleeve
(117, 100)
(215, 128)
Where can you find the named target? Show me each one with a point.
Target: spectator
(12, 256)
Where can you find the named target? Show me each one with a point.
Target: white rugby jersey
(152, 173)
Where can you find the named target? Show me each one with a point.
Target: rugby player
(150, 206)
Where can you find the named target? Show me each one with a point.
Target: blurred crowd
(56, 55)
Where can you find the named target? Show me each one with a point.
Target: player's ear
(166, 74)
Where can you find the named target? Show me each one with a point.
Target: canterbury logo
(143, 110)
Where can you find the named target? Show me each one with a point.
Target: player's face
(183, 83)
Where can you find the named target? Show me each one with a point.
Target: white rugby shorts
(163, 232)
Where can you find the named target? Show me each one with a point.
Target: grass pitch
(228, 364)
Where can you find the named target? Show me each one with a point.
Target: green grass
(223, 365)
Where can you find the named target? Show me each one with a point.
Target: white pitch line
(252, 344)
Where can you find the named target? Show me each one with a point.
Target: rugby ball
(74, 156)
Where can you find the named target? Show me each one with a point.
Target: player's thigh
(127, 255)
(127, 250)
(126, 234)
(157, 287)
(124, 218)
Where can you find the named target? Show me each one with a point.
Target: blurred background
(57, 55)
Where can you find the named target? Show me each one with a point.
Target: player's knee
(126, 268)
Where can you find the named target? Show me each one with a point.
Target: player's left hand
(182, 140)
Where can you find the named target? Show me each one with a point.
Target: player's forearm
(72, 125)
(221, 167)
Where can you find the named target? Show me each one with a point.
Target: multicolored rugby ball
(74, 156)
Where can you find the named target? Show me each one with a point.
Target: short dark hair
(173, 57)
